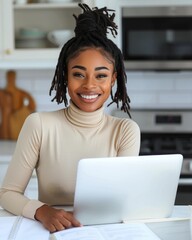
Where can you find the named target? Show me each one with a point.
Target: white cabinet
(1, 31)
(45, 17)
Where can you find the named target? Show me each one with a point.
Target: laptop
(117, 189)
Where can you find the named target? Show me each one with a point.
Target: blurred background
(156, 40)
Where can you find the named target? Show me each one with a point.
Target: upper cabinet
(28, 31)
(1, 30)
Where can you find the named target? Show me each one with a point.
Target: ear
(114, 77)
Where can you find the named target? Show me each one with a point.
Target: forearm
(18, 204)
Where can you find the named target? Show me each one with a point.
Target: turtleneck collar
(84, 119)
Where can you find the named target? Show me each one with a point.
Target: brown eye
(99, 76)
(78, 75)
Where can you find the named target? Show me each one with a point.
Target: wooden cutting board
(22, 104)
(20, 97)
(5, 111)
(16, 121)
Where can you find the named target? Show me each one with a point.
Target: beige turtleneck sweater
(53, 143)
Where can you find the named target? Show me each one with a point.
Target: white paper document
(132, 231)
(20, 228)
(6, 224)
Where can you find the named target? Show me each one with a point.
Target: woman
(52, 143)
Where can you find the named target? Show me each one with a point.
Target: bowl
(59, 1)
(31, 33)
(60, 37)
(20, 2)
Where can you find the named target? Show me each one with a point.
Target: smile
(89, 96)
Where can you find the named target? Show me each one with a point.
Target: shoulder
(124, 128)
(45, 115)
(124, 123)
(37, 119)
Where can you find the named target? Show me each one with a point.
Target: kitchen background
(146, 89)
(163, 90)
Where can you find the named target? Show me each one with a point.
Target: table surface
(177, 227)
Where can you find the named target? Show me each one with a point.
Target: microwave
(157, 38)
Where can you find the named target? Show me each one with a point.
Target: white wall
(160, 90)
(146, 89)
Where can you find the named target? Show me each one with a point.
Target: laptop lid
(114, 189)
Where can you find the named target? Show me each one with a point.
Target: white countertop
(178, 229)
(7, 148)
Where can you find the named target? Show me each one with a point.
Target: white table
(174, 228)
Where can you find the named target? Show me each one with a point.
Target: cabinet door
(41, 17)
(1, 30)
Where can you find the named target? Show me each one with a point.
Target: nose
(89, 82)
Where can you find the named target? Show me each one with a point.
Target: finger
(74, 222)
(59, 226)
(52, 228)
(66, 222)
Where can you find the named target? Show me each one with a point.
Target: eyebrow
(84, 68)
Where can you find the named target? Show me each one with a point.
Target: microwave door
(157, 42)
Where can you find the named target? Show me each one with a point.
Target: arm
(20, 169)
(24, 161)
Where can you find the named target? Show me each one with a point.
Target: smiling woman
(88, 66)
(90, 79)
(91, 32)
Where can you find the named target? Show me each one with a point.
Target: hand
(55, 219)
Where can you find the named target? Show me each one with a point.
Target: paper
(18, 228)
(6, 224)
(107, 232)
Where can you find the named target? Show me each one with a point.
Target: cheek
(71, 89)
(72, 85)
(107, 88)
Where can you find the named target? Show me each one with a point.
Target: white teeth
(89, 96)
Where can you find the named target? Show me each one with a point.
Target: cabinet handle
(8, 51)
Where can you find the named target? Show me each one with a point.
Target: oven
(168, 132)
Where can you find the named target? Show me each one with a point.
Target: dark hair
(91, 32)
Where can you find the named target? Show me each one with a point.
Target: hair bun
(95, 20)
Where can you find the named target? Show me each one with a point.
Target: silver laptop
(111, 190)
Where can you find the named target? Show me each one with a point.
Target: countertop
(6, 150)
(177, 227)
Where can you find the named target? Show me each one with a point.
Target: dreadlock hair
(91, 32)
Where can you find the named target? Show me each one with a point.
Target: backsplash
(146, 89)
(160, 89)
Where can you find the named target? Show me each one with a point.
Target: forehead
(91, 56)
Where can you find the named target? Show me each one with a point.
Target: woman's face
(90, 78)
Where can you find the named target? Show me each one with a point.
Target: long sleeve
(19, 172)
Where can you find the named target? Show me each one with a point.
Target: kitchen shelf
(27, 64)
(46, 5)
(15, 51)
